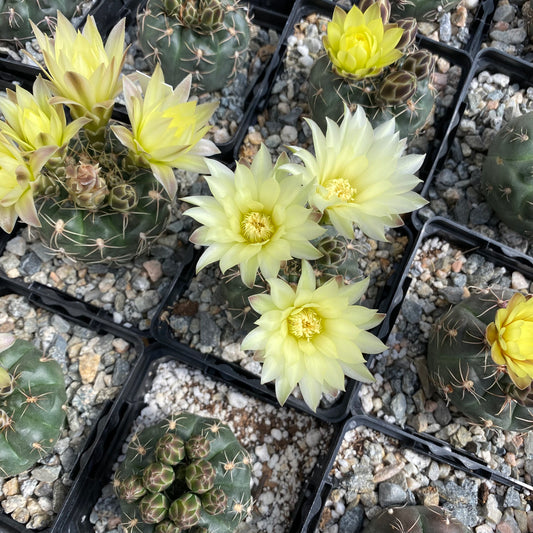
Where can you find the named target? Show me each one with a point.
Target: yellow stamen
(342, 189)
(305, 323)
(257, 227)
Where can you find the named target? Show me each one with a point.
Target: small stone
(429, 496)
(46, 473)
(255, 137)
(398, 406)
(512, 499)
(11, 487)
(153, 269)
(391, 494)
(88, 366)
(289, 134)
(352, 520)
(16, 246)
(518, 281)
(13, 502)
(237, 400)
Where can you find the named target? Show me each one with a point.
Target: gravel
(283, 443)
(95, 367)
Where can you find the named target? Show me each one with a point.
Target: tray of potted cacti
(61, 367)
(186, 449)
(457, 366)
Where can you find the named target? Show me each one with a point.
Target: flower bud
(397, 87)
(421, 63)
(87, 189)
(384, 8)
(409, 27)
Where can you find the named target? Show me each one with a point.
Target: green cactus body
(205, 38)
(412, 95)
(507, 180)
(421, 10)
(32, 400)
(461, 366)
(415, 519)
(106, 211)
(15, 16)
(210, 488)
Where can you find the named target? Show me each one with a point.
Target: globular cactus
(97, 207)
(32, 401)
(15, 16)
(400, 88)
(421, 10)
(415, 519)
(205, 38)
(506, 180)
(185, 473)
(459, 359)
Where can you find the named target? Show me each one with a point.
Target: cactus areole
(32, 399)
(205, 38)
(460, 365)
(415, 519)
(185, 472)
(506, 180)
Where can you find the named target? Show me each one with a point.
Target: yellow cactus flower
(84, 73)
(511, 339)
(313, 337)
(360, 175)
(33, 122)
(167, 130)
(359, 44)
(255, 219)
(17, 181)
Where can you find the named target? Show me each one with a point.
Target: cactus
(205, 38)
(415, 519)
(506, 179)
(97, 207)
(32, 398)
(460, 364)
(400, 90)
(15, 16)
(184, 472)
(421, 10)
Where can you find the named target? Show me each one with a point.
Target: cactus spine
(460, 364)
(32, 398)
(184, 472)
(506, 180)
(401, 90)
(415, 519)
(15, 16)
(205, 38)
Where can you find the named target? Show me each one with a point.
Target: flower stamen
(257, 227)
(342, 189)
(305, 324)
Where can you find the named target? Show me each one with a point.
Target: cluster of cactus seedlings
(32, 401)
(421, 10)
(205, 38)
(506, 178)
(401, 90)
(185, 473)
(460, 365)
(415, 519)
(15, 16)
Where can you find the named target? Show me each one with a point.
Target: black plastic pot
(75, 313)
(99, 470)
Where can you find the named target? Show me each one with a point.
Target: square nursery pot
(498, 88)
(239, 101)
(282, 122)
(374, 466)
(96, 357)
(196, 319)
(286, 446)
(446, 265)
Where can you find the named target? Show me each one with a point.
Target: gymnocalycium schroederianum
(207, 39)
(373, 63)
(184, 472)
(32, 404)
(506, 180)
(480, 357)
(415, 519)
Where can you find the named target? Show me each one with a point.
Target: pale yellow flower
(84, 73)
(18, 178)
(359, 45)
(313, 337)
(167, 129)
(33, 122)
(359, 175)
(511, 339)
(256, 218)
